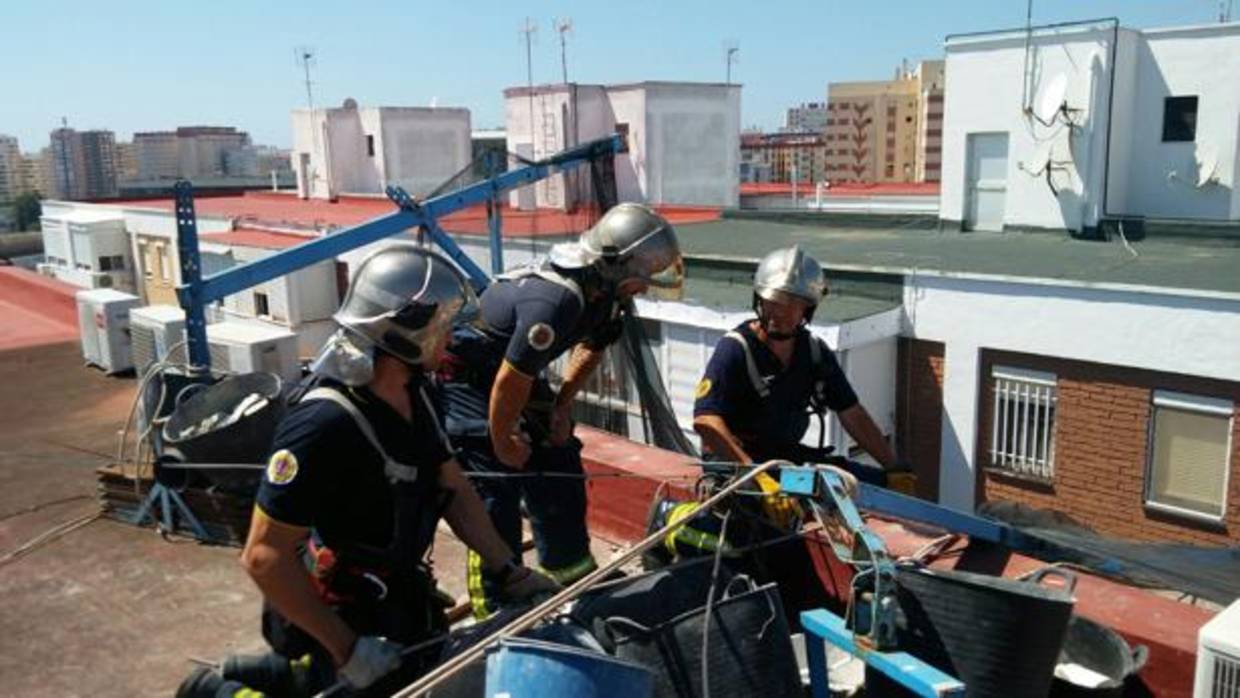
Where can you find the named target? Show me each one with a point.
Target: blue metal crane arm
(239, 278)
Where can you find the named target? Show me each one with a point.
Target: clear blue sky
(133, 66)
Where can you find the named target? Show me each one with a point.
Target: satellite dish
(1207, 165)
(1051, 98)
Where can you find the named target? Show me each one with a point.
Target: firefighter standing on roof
(359, 478)
(770, 374)
(501, 412)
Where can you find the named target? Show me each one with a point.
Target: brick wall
(919, 410)
(1101, 443)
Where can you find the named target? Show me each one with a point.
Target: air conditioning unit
(103, 323)
(156, 330)
(243, 347)
(1218, 656)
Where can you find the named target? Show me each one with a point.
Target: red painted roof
(886, 189)
(35, 309)
(286, 210)
(261, 239)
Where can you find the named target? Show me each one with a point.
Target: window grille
(1022, 438)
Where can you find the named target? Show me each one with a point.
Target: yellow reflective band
(302, 662)
(248, 693)
(571, 573)
(687, 534)
(473, 582)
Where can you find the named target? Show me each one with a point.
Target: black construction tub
(1001, 637)
(229, 423)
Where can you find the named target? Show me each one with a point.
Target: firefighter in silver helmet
(359, 476)
(769, 375)
(502, 414)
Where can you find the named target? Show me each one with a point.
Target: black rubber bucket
(750, 652)
(244, 439)
(1101, 651)
(1001, 637)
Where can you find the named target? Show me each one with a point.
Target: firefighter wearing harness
(769, 375)
(500, 410)
(359, 477)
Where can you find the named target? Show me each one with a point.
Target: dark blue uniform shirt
(324, 473)
(538, 320)
(767, 427)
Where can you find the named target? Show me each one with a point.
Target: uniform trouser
(556, 507)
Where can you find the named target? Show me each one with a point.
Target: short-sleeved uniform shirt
(538, 320)
(528, 322)
(767, 426)
(324, 473)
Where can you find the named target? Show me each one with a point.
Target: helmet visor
(668, 283)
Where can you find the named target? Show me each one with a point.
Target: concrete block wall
(1101, 435)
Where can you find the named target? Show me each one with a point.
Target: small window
(1179, 119)
(622, 129)
(370, 145)
(1189, 459)
(261, 307)
(105, 264)
(1022, 430)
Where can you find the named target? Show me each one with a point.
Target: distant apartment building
(195, 151)
(268, 159)
(362, 150)
(683, 139)
(886, 131)
(82, 164)
(807, 117)
(784, 157)
(11, 181)
(126, 162)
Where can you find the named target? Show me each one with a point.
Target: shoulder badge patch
(282, 467)
(541, 336)
(703, 388)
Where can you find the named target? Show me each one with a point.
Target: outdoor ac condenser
(103, 323)
(243, 347)
(1218, 656)
(156, 330)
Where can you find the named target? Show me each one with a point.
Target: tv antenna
(731, 47)
(306, 60)
(564, 26)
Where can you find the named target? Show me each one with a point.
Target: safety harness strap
(755, 376)
(394, 470)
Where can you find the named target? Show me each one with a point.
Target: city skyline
(237, 67)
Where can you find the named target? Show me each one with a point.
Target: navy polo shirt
(768, 425)
(324, 473)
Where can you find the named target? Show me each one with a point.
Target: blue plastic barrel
(521, 668)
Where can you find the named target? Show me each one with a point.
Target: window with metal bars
(1022, 431)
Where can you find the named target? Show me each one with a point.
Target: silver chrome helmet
(404, 299)
(630, 241)
(787, 274)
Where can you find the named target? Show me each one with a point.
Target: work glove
(902, 479)
(372, 659)
(782, 511)
(525, 583)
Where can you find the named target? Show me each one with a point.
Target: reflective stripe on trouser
(570, 573)
(556, 508)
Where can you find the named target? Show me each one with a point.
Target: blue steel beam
(902, 667)
(191, 276)
(330, 246)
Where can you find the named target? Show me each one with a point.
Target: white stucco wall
(417, 148)
(693, 144)
(984, 95)
(1147, 177)
(1202, 62)
(1145, 329)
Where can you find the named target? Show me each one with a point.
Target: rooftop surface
(283, 209)
(1169, 263)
